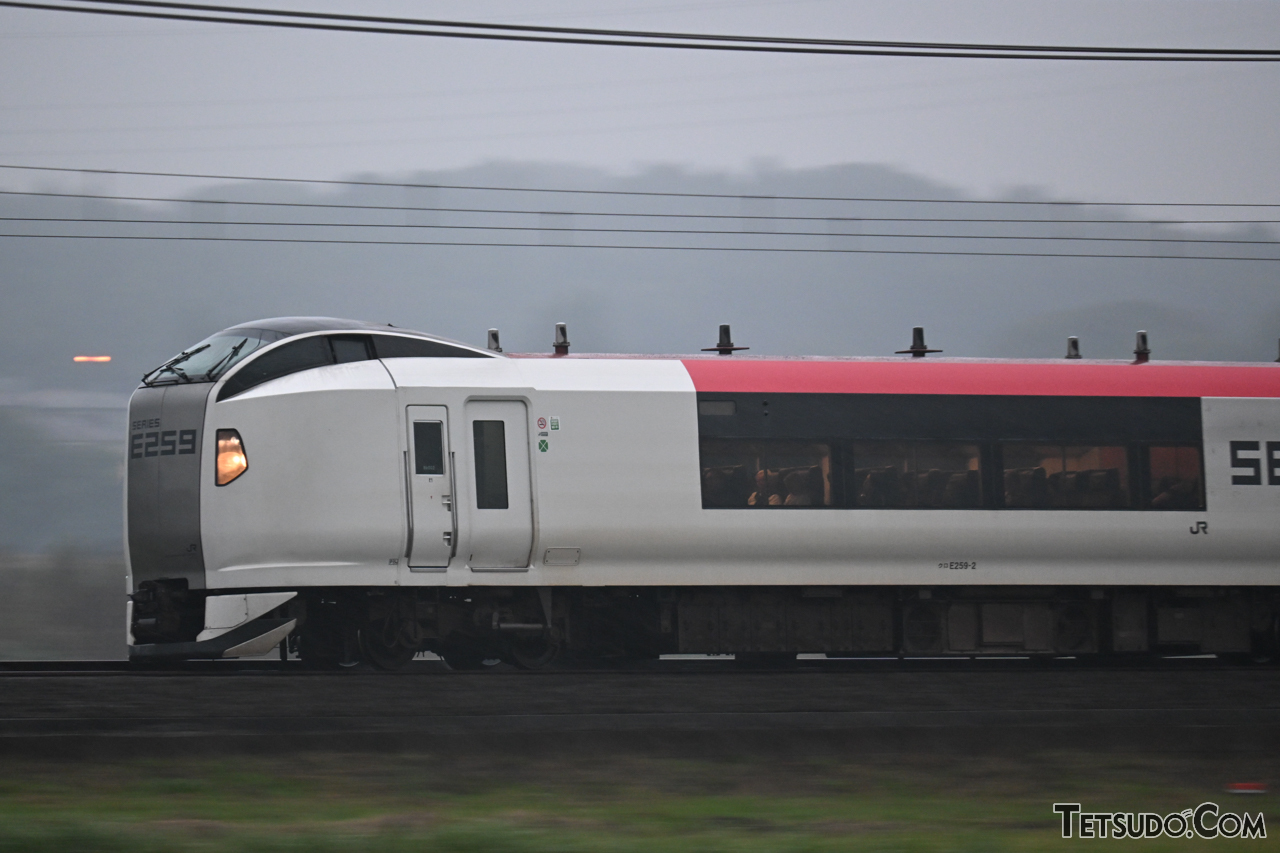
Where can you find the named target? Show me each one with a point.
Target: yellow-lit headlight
(232, 461)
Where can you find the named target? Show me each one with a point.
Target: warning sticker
(555, 423)
(542, 445)
(542, 423)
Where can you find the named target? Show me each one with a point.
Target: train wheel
(922, 628)
(1074, 629)
(380, 653)
(536, 652)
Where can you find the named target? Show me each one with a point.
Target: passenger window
(392, 346)
(292, 357)
(763, 474)
(491, 464)
(348, 348)
(916, 474)
(1065, 476)
(428, 448)
(1175, 478)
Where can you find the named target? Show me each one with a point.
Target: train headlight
(232, 461)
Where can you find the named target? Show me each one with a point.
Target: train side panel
(613, 458)
(322, 499)
(617, 497)
(628, 496)
(1242, 468)
(619, 475)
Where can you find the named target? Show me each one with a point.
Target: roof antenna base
(725, 347)
(561, 344)
(1141, 351)
(917, 348)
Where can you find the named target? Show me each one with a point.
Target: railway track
(265, 705)
(709, 665)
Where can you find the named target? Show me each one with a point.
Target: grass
(626, 803)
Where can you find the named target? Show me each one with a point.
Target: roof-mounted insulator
(917, 348)
(561, 345)
(725, 347)
(1141, 352)
(493, 341)
(1073, 347)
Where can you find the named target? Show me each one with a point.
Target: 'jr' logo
(1200, 527)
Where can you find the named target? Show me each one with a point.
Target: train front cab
(258, 465)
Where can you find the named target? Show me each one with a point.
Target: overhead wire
(699, 232)
(438, 28)
(632, 193)
(769, 220)
(625, 213)
(789, 249)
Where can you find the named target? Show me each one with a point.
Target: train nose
(162, 476)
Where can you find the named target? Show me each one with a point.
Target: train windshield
(212, 357)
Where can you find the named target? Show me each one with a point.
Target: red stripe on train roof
(1053, 379)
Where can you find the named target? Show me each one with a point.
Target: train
(351, 493)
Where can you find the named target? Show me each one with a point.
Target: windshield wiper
(235, 350)
(169, 365)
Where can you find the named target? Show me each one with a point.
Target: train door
(501, 511)
(433, 530)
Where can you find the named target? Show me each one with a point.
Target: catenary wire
(648, 215)
(638, 193)
(664, 231)
(298, 19)
(481, 25)
(796, 250)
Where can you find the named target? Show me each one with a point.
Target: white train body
(895, 504)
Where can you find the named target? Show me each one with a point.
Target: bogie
(386, 629)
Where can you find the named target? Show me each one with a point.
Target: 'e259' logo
(170, 442)
(1254, 464)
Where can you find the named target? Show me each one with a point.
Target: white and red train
(361, 492)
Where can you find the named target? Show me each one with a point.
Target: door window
(491, 464)
(428, 448)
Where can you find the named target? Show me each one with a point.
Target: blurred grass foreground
(629, 802)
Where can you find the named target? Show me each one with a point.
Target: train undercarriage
(543, 627)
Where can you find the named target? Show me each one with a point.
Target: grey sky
(79, 90)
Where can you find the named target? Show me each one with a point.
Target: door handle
(447, 501)
(408, 503)
(451, 541)
(448, 537)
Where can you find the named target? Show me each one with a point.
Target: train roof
(737, 374)
(285, 327)
(289, 326)
(902, 374)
